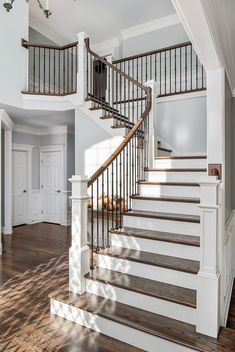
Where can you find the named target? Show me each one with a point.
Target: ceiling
(40, 118)
(102, 20)
(220, 17)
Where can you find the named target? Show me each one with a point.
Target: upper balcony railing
(52, 70)
(176, 69)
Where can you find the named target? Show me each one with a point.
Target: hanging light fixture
(8, 6)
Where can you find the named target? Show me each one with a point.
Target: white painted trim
(41, 131)
(22, 147)
(233, 93)
(184, 96)
(150, 26)
(51, 148)
(26, 148)
(7, 124)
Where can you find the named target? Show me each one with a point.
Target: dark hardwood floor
(34, 264)
(31, 245)
(231, 314)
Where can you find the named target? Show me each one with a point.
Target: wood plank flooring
(31, 245)
(231, 314)
(25, 320)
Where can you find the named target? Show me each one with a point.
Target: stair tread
(164, 261)
(163, 216)
(148, 322)
(167, 198)
(190, 184)
(189, 240)
(156, 289)
(181, 157)
(176, 170)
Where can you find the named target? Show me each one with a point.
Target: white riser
(166, 207)
(184, 228)
(158, 247)
(180, 163)
(115, 330)
(151, 272)
(151, 304)
(165, 190)
(168, 176)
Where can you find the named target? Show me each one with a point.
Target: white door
(20, 187)
(51, 185)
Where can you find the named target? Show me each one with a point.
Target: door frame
(28, 148)
(47, 149)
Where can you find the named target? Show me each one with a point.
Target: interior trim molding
(147, 27)
(40, 131)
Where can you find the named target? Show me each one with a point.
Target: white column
(79, 252)
(152, 138)
(109, 95)
(208, 278)
(8, 182)
(81, 77)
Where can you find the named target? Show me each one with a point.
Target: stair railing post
(79, 251)
(208, 278)
(152, 139)
(109, 91)
(82, 69)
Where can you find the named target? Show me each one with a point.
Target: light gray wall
(154, 40)
(182, 124)
(2, 177)
(228, 149)
(24, 138)
(233, 153)
(87, 133)
(37, 38)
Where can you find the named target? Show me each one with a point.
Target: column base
(78, 267)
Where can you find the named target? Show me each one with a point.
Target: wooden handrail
(137, 125)
(137, 56)
(27, 44)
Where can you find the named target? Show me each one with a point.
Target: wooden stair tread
(182, 157)
(163, 216)
(148, 322)
(156, 289)
(164, 261)
(167, 198)
(152, 183)
(176, 170)
(188, 240)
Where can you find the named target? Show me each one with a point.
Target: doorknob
(58, 191)
(24, 191)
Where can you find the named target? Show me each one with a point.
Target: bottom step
(145, 330)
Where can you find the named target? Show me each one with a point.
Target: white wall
(182, 124)
(13, 27)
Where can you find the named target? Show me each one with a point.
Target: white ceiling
(40, 118)
(102, 20)
(221, 20)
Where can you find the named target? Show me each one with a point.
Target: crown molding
(50, 34)
(150, 26)
(40, 131)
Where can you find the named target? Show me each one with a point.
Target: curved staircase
(144, 229)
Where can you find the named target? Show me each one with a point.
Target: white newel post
(152, 141)
(208, 278)
(81, 76)
(109, 92)
(79, 251)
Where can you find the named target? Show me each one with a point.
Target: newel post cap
(82, 36)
